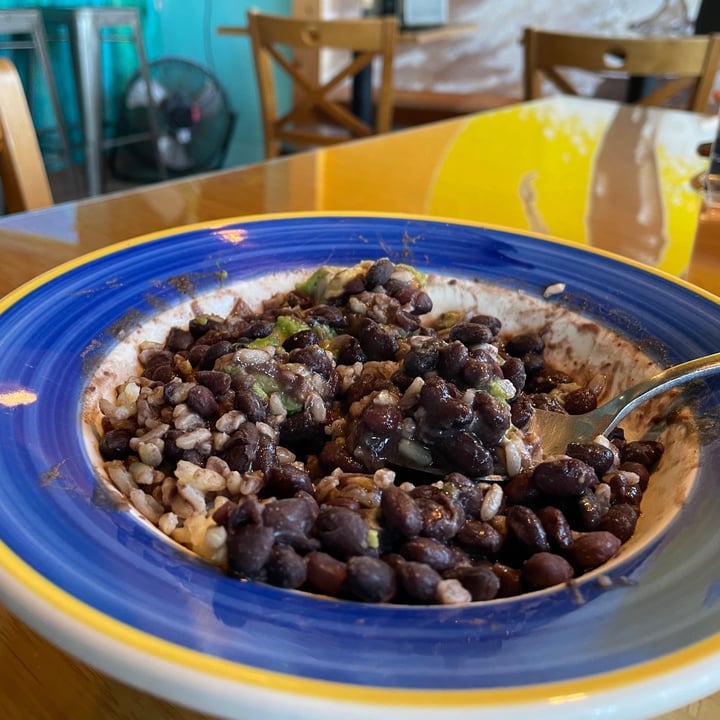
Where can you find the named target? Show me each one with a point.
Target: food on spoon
(274, 443)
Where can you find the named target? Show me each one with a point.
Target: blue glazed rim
(61, 537)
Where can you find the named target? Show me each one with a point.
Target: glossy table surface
(591, 171)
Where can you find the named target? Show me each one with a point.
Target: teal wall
(187, 28)
(180, 28)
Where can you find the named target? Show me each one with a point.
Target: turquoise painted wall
(180, 28)
(187, 28)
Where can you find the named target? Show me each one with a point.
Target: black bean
(115, 444)
(329, 315)
(597, 456)
(400, 512)
(441, 516)
(196, 354)
(645, 452)
(354, 285)
(593, 549)
(377, 343)
(370, 579)
(248, 549)
(521, 410)
(326, 574)
(589, 511)
(490, 321)
(258, 329)
(342, 532)
(431, 552)
(201, 400)
(218, 382)
(470, 333)
(418, 580)
(556, 526)
(286, 480)
(527, 528)
(162, 373)
(315, 358)
(510, 580)
(482, 583)
(159, 358)
(290, 516)
(520, 489)
(444, 412)
(247, 402)
(241, 448)
(203, 323)
(580, 401)
(265, 456)
(478, 372)
(564, 476)
(285, 568)
(469, 494)
(403, 292)
(179, 339)
(215, 351)
(301, 339)
(480, 537)
(421, 360)
(524, 343)
(379, 273)
(421, 303)
(350, 351)
(492, 418)
(534, 364)
(640, 470)
(548, 379)
(383, 420)
(620, 520)
(465, 452)
(452, 359)
(406, 321)
(513, 369)
(545, 569)
(621, 489)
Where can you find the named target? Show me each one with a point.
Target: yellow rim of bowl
(324, 689)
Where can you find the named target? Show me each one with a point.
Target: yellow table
(592, 171)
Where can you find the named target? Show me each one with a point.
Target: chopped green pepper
(285, 327)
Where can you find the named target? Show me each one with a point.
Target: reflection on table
(591, 171)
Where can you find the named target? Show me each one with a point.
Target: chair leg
(40, 43)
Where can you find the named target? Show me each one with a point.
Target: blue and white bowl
(633, 640)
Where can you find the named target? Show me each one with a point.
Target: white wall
(489, 58)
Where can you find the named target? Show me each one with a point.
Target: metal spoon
(556, 430)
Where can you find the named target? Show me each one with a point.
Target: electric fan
(194, 120)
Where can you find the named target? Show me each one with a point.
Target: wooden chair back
(317, 116)
(682, 62)
(25, 183)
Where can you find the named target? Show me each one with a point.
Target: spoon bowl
(556, 430)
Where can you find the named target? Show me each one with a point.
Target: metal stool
(18, 23)
(88, 27)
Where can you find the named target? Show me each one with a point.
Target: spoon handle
(616, 409)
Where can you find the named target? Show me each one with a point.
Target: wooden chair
(317, 115)
(681, 63)
(25, 183)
